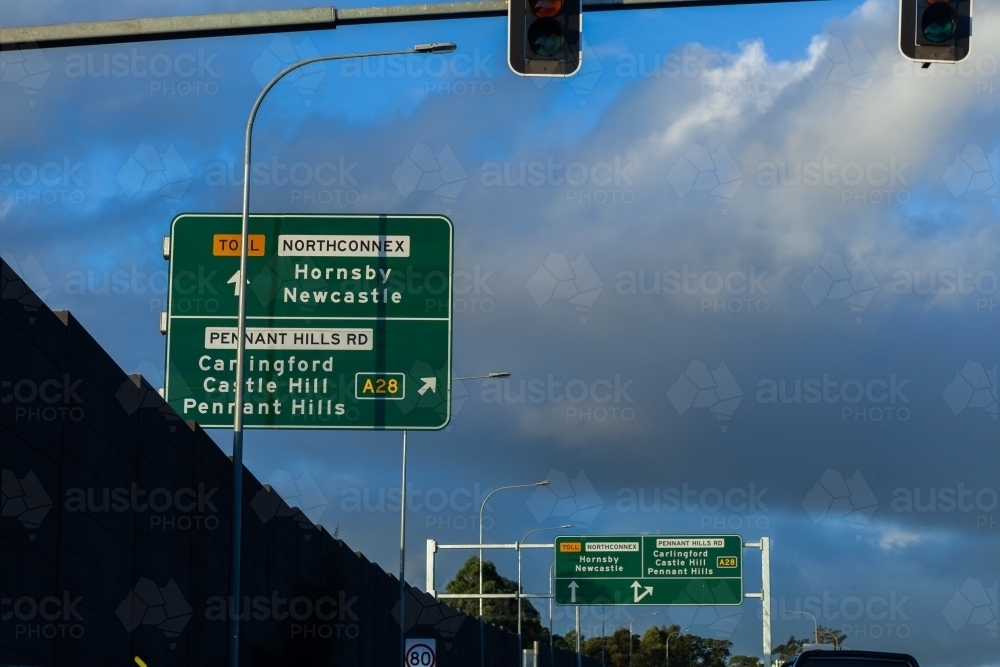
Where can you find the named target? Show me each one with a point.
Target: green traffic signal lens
(939, 22)
(545, 37)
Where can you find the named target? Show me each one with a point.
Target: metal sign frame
(764, 545)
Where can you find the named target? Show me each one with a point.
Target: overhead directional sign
(649, 569)
(348, 321)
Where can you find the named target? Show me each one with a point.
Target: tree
(501, 612)
(615, 648)
(745, 661)
(569, 641)
(793, 645)
(690, 650)
(826, 636)
(649, 650)
(563, 642)
(783, 652)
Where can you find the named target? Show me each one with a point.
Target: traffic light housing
(935, 31)
(543, 37)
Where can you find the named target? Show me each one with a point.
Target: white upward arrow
(572, 591)
(235, 281)
(635, 589)
(429, 383)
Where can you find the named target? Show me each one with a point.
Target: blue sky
(773, 200)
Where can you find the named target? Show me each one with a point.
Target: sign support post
(765, 593)
(579, 646)
(402, 561)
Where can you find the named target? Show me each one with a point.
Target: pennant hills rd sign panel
(649, 570)
(348, 321)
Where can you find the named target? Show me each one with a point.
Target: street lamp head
(503, 374)
(445, 47)
(544, 482)
(566, 525)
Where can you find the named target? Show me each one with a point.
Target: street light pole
(655, 613)
(603, 634)
(402, 535)
(579, 640)
(517, 547)
(482, 627)
(552, 648)
(402, 561)
(667, 658)
(241, 325)
(815, 624)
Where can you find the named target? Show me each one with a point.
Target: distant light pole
(579, 640)
(815, 624)
(603, 634)
(402, 531)
(482, 627)
(241, 329)
(552, 648)
(678, 632)
(836, 640)
(655, 613)
(520, 644)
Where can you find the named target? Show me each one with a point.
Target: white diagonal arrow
(429, 383)
(572, 591)
(635, 589)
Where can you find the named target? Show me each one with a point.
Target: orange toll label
(228, 245)
(570, 547)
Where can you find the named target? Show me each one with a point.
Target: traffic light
(543, 37)
(935, 31)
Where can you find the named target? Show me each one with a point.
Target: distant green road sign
(649, 569)
(348, 321)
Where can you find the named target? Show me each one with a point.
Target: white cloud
(730, 104)
(899, 538)
(792, 125)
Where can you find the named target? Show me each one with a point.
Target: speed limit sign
(420, 653)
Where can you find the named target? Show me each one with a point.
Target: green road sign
(649, 569)
(348, 321)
